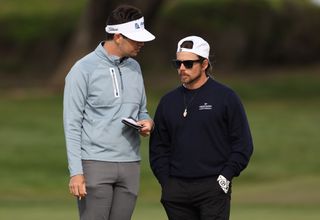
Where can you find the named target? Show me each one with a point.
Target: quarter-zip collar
(102, 53)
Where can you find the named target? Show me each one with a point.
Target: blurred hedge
(249, 32)
(34, 33)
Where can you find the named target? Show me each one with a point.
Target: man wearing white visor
(101, 89)
(133, 30)
(201, 139)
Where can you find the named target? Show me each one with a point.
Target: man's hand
(77, 186)
(147, 126)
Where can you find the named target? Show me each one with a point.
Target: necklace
(185, 112)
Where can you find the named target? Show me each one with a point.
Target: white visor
(133, 30)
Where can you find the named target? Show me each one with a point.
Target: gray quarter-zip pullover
(100, 90)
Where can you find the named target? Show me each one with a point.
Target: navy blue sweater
(214, 138)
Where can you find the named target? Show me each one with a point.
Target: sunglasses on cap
(186, 63)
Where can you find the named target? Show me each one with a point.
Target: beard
(188, 79)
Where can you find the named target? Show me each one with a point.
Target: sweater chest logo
(205, 106)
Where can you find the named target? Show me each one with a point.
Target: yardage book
(131, 123)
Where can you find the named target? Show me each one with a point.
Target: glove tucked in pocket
(224, 183)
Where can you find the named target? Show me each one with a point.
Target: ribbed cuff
(227, 173)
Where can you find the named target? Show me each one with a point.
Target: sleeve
(239, 136)
(143, 112)
(159, 147)
(75, 93)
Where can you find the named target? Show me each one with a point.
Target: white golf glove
(224, 183)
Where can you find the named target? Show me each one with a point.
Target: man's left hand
(147, 126)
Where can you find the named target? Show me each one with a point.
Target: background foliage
(34, 34)
(267, 51)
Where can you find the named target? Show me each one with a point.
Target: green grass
(281, 182)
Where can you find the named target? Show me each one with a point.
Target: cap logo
(136, 25)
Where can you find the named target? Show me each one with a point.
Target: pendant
(185, 113)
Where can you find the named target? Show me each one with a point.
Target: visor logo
(112, 29)
(137, 26)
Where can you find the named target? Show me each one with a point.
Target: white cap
(133, 30)
(200, 46)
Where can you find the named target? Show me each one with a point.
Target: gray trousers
(112, 189)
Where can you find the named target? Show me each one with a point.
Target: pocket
(166, 189)
(104, 88)
(220, 190)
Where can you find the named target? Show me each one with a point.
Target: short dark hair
(122, 14)
(188, 44)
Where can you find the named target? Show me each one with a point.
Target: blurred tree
(90, 31)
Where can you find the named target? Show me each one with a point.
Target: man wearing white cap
(201, 139)
(100, 90)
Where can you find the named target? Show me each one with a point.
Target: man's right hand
(77, 186)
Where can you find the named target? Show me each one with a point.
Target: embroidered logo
(138, 26)
(205, 106)
(112, 29)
